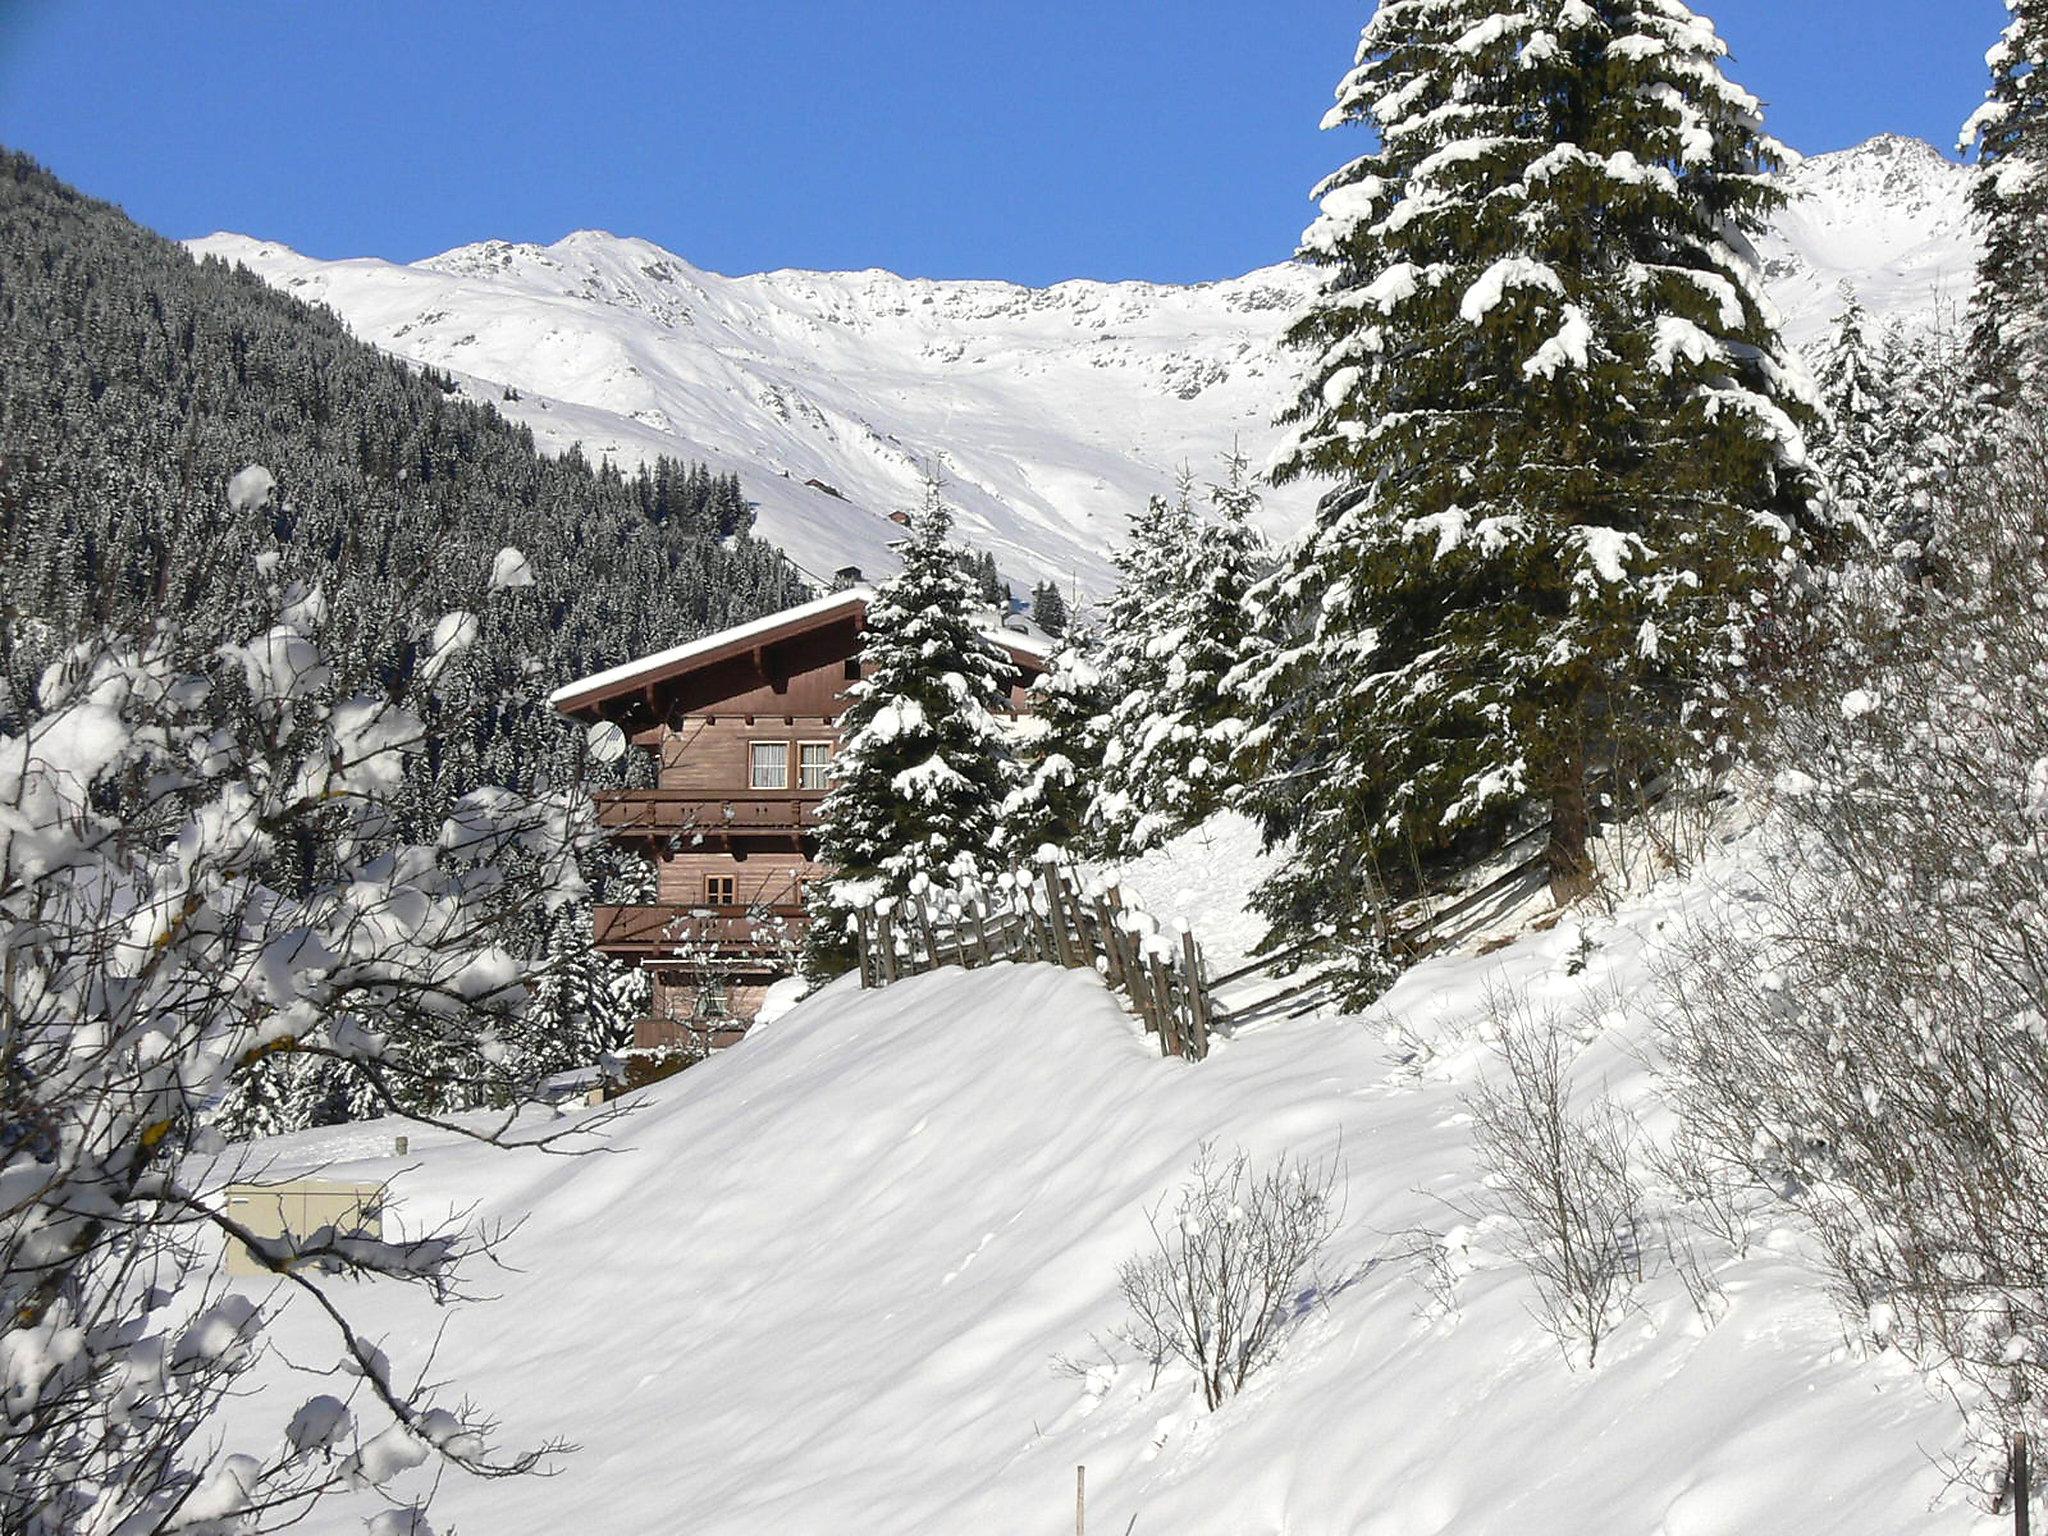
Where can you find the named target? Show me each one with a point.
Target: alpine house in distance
(744, 725)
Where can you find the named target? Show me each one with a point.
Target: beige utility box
(300, 1207)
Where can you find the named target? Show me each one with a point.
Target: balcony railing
(698, 933)
(685, 815)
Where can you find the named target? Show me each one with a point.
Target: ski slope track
(818, 1285)
(1051, 412)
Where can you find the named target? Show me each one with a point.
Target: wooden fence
(1054, 919)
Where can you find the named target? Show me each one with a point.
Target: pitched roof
(1027, 650)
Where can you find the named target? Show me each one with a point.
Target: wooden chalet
(744, 725)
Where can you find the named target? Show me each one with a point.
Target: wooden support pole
(2022, 1494)
(1162, 991)
(1136, 984)
(931, 934)
(886, 942)
(1105, 933)
(1080, 1501)
(1056, 914)
(1198, 1004)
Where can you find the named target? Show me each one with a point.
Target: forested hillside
(136, 383)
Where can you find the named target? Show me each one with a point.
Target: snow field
(818, 1285)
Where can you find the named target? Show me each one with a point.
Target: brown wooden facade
(745, 725)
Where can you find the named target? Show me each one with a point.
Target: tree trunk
(1571, 870)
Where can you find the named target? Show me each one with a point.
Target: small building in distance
(744, 726)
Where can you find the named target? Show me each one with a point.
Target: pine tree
(1856, 395)
(135, 382)
(1177, 724)
(2009, 313)
(1059, 756)
(1049, 608)
(1929, 432)
(1568, 474)
(1152, 566)
(926, 757)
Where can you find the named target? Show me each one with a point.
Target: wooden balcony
(729, 936)
(685, 819)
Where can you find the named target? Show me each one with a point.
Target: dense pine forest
(136, 384)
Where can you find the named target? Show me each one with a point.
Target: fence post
(1056, 914)
(1198, 1004)
(1139, 988)
(1080, 1501)
(885, 940)
(931, 935)
(1105, 932)
(2022, 1498)
(1162, 991)
(981, 932)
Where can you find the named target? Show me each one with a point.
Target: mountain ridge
(1052, 412)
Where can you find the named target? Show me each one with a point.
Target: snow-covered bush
(199, 875)
(1866, 1031)
(1559, 1178)
(1229, 1267)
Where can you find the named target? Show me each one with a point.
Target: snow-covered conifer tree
(1049, 608)
(1564, 441)
(1152, 565)
(926, 760)
(1177, 725)
(1059, 755)
(1856, 392)
(2009, 315)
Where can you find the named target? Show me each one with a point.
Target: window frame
(824, 769)
(732, 890)
(754, 746)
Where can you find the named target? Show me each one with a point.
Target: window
(711, 1003)
(718, 891)
(813, 764)
(770, 765)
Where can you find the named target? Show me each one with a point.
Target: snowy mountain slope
(1891, 218)
(820, 1285)
(1053, 412)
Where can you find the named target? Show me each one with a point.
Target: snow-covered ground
(1053, 413)
(818, 1285)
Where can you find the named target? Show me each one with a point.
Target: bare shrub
(1232, 1264)
(1561, 1181)
(1865, 1031)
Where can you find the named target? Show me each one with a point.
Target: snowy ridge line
(1054, 413)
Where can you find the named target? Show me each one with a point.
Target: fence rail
(1054, 919)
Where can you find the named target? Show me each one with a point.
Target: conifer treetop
(2009, 132)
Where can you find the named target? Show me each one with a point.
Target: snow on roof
(681, 655)
(1032, 646)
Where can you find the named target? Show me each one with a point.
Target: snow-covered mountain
(1052, 412)
(1891, 218)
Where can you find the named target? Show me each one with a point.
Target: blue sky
(945, 138)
